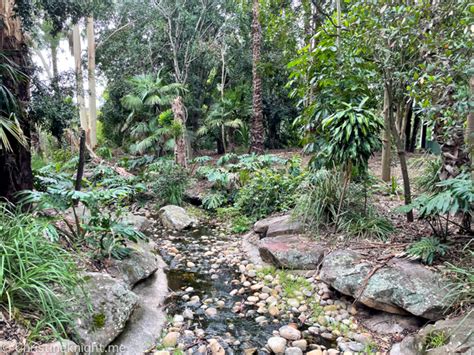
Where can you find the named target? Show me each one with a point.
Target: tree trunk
(407, 113)
(401, 153)
(424, 131)
(15, 165)
(91, 80)
(180, 145)
(76, 39)
(470, 128)
(386, 141)
(257, 129)
(82, 158)
(414, 133)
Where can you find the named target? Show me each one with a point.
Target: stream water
(205, 265)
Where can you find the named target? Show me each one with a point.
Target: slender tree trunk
(15, 166)
(76, 39)
(257, 129)
(401, 152)
(424, 130)
(91, 80)
(386, 141)
(414, 132)
(180, 146)
(338, 10)
(82, 159)
(54, 57)
(407, 113)
(470, 127)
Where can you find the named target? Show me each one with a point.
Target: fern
(214, 200)
(427, 249)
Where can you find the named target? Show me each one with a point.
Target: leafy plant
(461, 288)
(214, 200)
(266, 192)
(429, 179)
(436, 339)
(456, 197)
(427, 249)
(35, 273)
(167, 180)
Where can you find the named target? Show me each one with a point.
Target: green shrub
(33, 270)
(318, 206)
(427, 249)
(241, 224)
(436, 339)
(214, 200)
(429, 179)
(455, 197)
(168, 181)
(267, 191)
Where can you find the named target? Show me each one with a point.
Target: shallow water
(226, 325)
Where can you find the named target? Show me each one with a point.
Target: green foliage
(427, 249)
(214, 200)
(350, 135)
(241, 224)
(318, 205)
(429, 179)
(104, 152)
(436, 339)
(167, 180)
(268, 191)
(461, 288)
(35, 273)
(456, 196)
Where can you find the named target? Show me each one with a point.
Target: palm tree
(15, 162)
(221, 116)
(150, 120)
(257, 129)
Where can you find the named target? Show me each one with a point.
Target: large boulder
(291, 252)
(141, 223)
(388, 323)
(457, 335)
(175, 217)
(276, 226)
(60, 347)
(140, 264)
(399, 286)
(102, 313)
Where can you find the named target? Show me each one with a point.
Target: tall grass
(35, 273)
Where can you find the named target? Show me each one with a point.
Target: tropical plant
(427, 249)
(167, 180)
(150, 122)
(266, 192)
(37, 276)
(456, 197)
(221, 116)
(461, 287)
(214, 200)
(9, 125)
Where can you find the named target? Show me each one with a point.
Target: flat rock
(102, 314)
(175, 217)
(400, 286)
(388, 323)
(139, 265)
(275, 226)
(292, 252)
(196, 191)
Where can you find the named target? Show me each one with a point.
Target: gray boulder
(400, 286)
(141, 223)
(388, 323)
(175, 217)
(276, 226)
(100, 316)
(60, 347)
(291, 252)
(140, 264)
(457, 333)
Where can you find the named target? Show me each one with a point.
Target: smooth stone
(171, 339)
(277, 344)
(293, 351)
(290, 333)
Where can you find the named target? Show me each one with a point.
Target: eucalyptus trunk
(470, 127)
(257, 129)
(15, 165)
(76, 40)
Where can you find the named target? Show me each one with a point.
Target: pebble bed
(223, 304)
